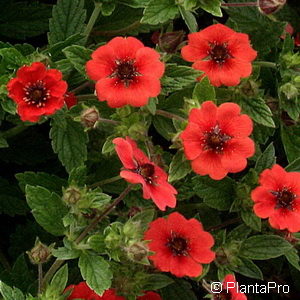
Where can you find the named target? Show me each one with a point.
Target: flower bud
(169, 42)
(40, 253)
(137, 252)
(72, 195)
(270, 6)
(89, 117)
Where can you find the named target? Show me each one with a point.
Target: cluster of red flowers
(83, 291)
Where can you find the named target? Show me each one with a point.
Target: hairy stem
(118, 31)
(169, 115)
(86, 97)
(113, 122)
(93, 18)
(13, 131)
(40, 277)
(239, 4)
(226, 223)
(266, 64)
(105, 181)
(81, 87)
(58, 262)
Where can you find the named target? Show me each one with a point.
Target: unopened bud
(90, 117)
(72, 195)
(137, 252)
(270, 6)
(169, 42)
(40, 253)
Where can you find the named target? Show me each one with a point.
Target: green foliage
(159, 11)
(179, 167)
(204, 91)
(262, 247)
(69, 142)
(47, 208)
(211, 6)
(68, 18)
(9, 293)
(215, 194)
(291, 141)
(266, 160)
(96, 271)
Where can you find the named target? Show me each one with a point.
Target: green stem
(169, 115)
(226, 223)
(40, 278)
(240, 4)
(58, 262)
(86, 97)
(13, 131)
(108, 121)
(93, 18)
(118, 31)
(81, 87)
(266, 64)
(105, 181)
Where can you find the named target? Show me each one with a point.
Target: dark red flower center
(284, 198)
(224, 295)
(215, 140)
(125, 71)
(36, 94)
(147, 171)
(219, 53)
(178, 245)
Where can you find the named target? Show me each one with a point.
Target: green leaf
(181, 289)
(78, 176)
(78, 57)
(258, 110)
(9, 293)
(69, 142)
(294, 166)
(266, 160)
(204, 91)
(290, 136)
(11, 59)
(264, 246)
(96, 271)
(189, 19)
(293, 258)
(216, 194)
(68, 17)
(97, 243)
(47, 208)
(3, 143)
(179, 167)
(239, 233)
(249, 20)
(212, 6)
(60, 279)
(248, 268)
(251, 220)
(177, 77)
(157, 281)
(48, 181)
(164, 126)
(159, 11)
(65, 253)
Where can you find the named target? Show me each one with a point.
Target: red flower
(180, 245)
(216, 139)
(221, 53)
(126, 72)
(37, 91)
(139, 169)
(150, 296)
(278, 198)
(70, 99)
(230, 290)
(82, 291)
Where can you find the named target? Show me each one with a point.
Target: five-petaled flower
(139, 169)
(278, 198)
(37, 91)
(179, 245)
(224, 55)
(216, 139)
(126, 72)
(229, 291)
(83, 291)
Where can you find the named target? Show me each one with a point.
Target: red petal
(209, 163)
(149, 296)
(273, 178)
(36, 71)
(59, 89)
(125, 153)
(132, 177)
(218, 33)
(16, 90)
(240, 126)
(243, 147)
(138, 154)
(125, 47)
(148, 63)
(163, 195)
(185, 266)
